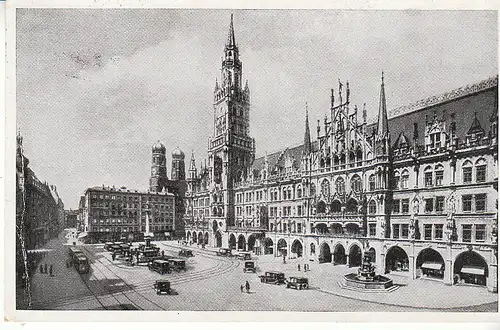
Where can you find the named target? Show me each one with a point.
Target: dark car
(107, 246)
(162, 286)
(224, 252)
(298, 283)
(273, 277)
(159, 266)
(186, 253)
(245, 256)
(249, 267)
(177, 264)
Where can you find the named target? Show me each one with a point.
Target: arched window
(325, 187)
(428, 176)
(336, 159)
(467, 172)
(372, 207)
(352, 206)
(356, 183)
(340, 186)
(321, 207)
(328, 161)
(336, 206)
(439, 174)
(299, 192)
(396, 180)
(405, 178)
(371, 182)
(312, 191)
(322, 162)
(342, 158)
(481, 170)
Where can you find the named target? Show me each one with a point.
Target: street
(212, 283)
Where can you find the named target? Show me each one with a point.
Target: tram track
(223, 266)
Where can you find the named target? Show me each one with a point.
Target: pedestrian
(50, 270)
(241, 288)
(113, 256)
(41, 269)
(247, 286)
(162, 253)
(305, 267)
(45, 269)
(298, 266)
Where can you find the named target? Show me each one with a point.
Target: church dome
(158, 147)
(177, 153)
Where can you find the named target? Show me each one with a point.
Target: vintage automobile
(177, 264)
(224, 252)
(147, 256)
(273, 277)
(249, 267)
(162, 286)
(298, 283)
(115, 248)
(160, 266)
(245, 255)
(107, 246)
(186, 253)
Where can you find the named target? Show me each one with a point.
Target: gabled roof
(475, 127)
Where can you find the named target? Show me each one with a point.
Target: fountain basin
(378, 282)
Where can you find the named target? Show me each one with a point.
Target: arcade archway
(352, 229)
(195, 237)
(241, 242)
(200, 238)
(355, 256)
(268, 246)
(339, 257)
(282, 247)
(321, 228)
(297, 248)
(232, 241)
(336, 228)
(251, 242)
(188, 236)
(430, 263)
(396, 260)
(218, 239)
(325, 254)
(205, 241)
(471, 268)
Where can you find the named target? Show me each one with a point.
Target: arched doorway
(430, 263)
(325, 254)
(241, 243)
(372, 254)
(232, 241)
(396, 260)
(188, 236)
(206, 238)
(313, 249)
(355, 256)
(268, 246)
(339, 257)
(218, 239)
(195, 237)
(251, 242)
(470, 267)
(321, 228)
(282, 247)
(297, 248)
(200, 238)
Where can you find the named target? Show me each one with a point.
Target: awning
(473, 270)
(38, 251)
(82, 235)
(432, 265)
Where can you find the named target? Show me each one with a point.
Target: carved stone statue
(415, 205)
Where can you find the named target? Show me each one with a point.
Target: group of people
(246, 287)
(43, 269)
(306, 267)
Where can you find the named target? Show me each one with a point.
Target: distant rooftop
(125, 190)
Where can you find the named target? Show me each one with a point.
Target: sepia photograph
(254, 160)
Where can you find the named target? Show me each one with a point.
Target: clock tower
(158, 179)
(231, 149)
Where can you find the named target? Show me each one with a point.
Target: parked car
(186, 253)
(249, 267)
(273, 277)
(298, 283)
(224, 252)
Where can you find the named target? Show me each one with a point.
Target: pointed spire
(230, 37)
(192, 165)
(307, 135)
(382, 126)
(246, 85)
(216, 84)
(476, 127)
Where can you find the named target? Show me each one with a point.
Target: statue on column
(449, 219)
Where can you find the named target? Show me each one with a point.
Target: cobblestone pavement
(213, 283)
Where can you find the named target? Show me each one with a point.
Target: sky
(97, 87)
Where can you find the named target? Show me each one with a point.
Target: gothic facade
(416, 190)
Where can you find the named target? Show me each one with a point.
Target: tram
(81, 263)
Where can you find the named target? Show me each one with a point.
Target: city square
(298, 194)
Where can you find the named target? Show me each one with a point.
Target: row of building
(40, 213)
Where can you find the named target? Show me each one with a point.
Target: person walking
(241, 288)
(41, 268)
(45, 269)
(113, 256)
(50, 270)
(298, 266)
(305, 267)
(247, 286)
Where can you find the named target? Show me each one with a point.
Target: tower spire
(307, 135)
(230, 37)
(382, 126)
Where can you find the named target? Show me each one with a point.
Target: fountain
(367, 280)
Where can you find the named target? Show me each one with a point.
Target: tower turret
(178, 165)
(158, 179)
(307, 136)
